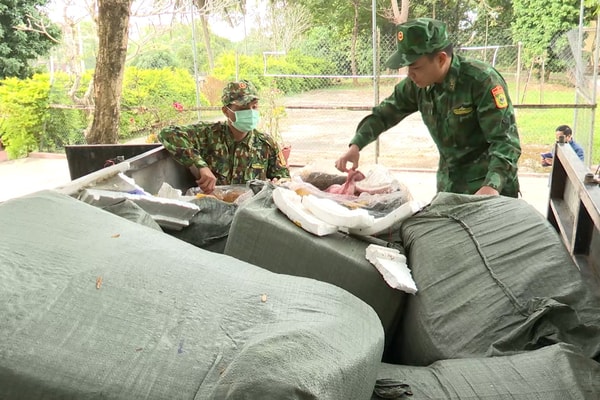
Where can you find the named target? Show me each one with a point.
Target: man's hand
(487, 191)
(207, 180)
(352, 156)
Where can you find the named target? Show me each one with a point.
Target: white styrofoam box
(391, 220)
(336, 214)
(290, 203)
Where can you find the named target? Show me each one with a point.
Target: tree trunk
(400, 17)
(404, 12)
(204, 11)
(400, 14)
(113, 31)
(206, 37)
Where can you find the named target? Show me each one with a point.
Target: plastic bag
(226, 193)
(378, 204)
(320, 175)
(378, 179)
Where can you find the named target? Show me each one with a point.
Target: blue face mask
(245, 120)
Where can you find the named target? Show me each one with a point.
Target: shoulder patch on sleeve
(499, 97)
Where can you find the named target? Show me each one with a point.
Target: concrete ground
(534, 187)
(28, 175)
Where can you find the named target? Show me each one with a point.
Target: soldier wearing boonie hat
(227, 152)
(464, 104)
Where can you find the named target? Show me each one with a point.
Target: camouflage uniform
(209, 144)
(469, 115)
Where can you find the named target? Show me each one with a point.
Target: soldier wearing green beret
(231, 151)
(464, 104)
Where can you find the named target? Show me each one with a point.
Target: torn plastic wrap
(378, 204)
(381, 206)
(227, 193)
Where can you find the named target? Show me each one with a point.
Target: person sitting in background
(227, 152)
(562, 130)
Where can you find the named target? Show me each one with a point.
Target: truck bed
(574, 210)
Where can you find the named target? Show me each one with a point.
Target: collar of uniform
(229, 135)
(449, 83)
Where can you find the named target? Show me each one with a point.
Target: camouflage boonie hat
(239, 93)
(416, 38)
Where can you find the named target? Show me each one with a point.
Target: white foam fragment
(290, 203)
(336, 214)
(169, 192)
(118, 183)
(93, 179)
(392, 266)
(168, 213)
(392, 220)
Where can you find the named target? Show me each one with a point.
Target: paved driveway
(28, 175)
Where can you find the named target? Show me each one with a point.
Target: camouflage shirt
(471, 120)
(212, 145)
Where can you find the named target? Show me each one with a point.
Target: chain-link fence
(585, 75)
(316, 110)
(547, 91)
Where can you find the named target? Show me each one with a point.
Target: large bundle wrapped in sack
(94, 305)
(204, 225)
(264, 236)
(494, 278)
(555, 372)
(209, 228)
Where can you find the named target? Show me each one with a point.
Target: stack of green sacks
(502, 311)
(96, 306)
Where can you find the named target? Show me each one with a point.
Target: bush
(252, 68)
(62, 126)
(155, 60)
(213, 90)
(22, 103)
(27, 123)
(156, 98)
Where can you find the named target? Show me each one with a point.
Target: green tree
(178, 43)
(490, 23)
(157, 59)
(538, 24)
(26, 33)
(594, 6)
(203, 9)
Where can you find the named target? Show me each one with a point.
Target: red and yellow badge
(499, 97)
(400, 36)
(243, 85)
